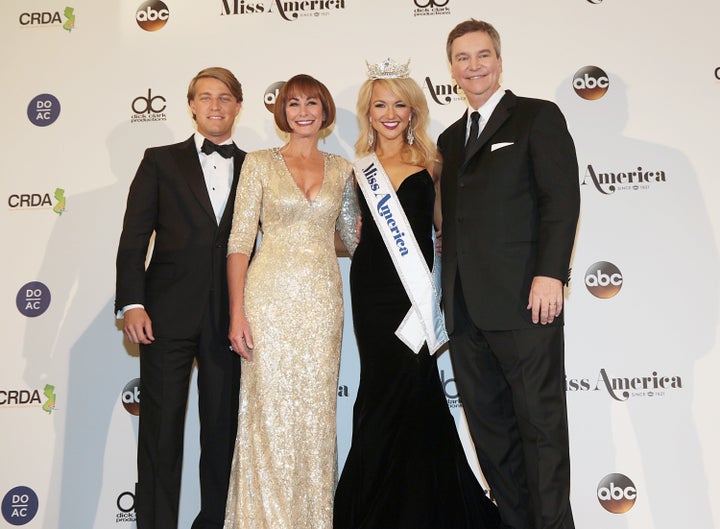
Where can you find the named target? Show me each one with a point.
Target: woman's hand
(241, 338)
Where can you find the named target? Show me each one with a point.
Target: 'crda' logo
(148, 105)
(616, 493)
(271, 94)
(590, 82)
(131, 396)
(603, 280)
(152, 15)
(717, 73)
(423, 4)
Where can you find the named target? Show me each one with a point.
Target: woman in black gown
(406, 468)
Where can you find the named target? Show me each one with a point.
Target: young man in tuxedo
(510, 204)
(177, 309)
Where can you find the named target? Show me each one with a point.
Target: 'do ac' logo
(20, 505)
(131, 397)
(271, 94)
(616, 493)
(152, 15)
(603, 280)
(590, 82)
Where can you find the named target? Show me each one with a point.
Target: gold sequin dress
(284, 465)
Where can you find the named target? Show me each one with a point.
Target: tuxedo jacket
(186, 277)
(510, 210)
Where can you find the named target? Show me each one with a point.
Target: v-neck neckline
(322, 184)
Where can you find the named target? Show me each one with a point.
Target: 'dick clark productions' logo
(43, 110)
(20, 505)
(590, 82)
(450, 388)
(148, 108)
(152, 15)
(431, 7)
(289, 11)
(616, 493)
(126, 507)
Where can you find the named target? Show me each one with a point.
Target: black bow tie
(226, 151)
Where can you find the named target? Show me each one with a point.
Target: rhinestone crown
(388, 69)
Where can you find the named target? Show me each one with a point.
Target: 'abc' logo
(590, 82)
(131, 397)
(152, 15)
(271, 94)
(603, 280)
(149, 104)
(616, 493)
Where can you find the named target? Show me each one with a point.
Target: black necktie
(474, 130)
(226, 151)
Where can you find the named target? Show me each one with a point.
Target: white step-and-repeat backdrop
(86, 87)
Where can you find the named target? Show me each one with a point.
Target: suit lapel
(455, 151)
(189, 166)
(497, 118)
(238, 159)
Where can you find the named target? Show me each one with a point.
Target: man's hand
(545, 299)
(137, 326)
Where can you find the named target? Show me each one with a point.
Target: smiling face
(214, 108)
(476, 66)
(389, 115)
(304, 115)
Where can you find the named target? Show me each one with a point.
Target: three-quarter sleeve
(346, 224)
(248, 204)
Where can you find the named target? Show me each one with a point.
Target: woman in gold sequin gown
(286, 314)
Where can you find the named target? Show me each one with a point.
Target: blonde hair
(422, 151)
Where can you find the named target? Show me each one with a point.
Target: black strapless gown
(406, 468)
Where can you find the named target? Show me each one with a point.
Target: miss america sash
(424, 321)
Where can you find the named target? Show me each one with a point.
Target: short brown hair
(469, 26)
(308, 86)
(223, 75)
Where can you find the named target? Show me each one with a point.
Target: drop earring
(410, 134)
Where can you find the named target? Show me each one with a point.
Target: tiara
(388, 69)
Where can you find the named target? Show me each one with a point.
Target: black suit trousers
(165, 370)
(511, 384)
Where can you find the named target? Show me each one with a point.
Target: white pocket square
(496, 146)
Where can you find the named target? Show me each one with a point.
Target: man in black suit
(177, 309)
(510, 203)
